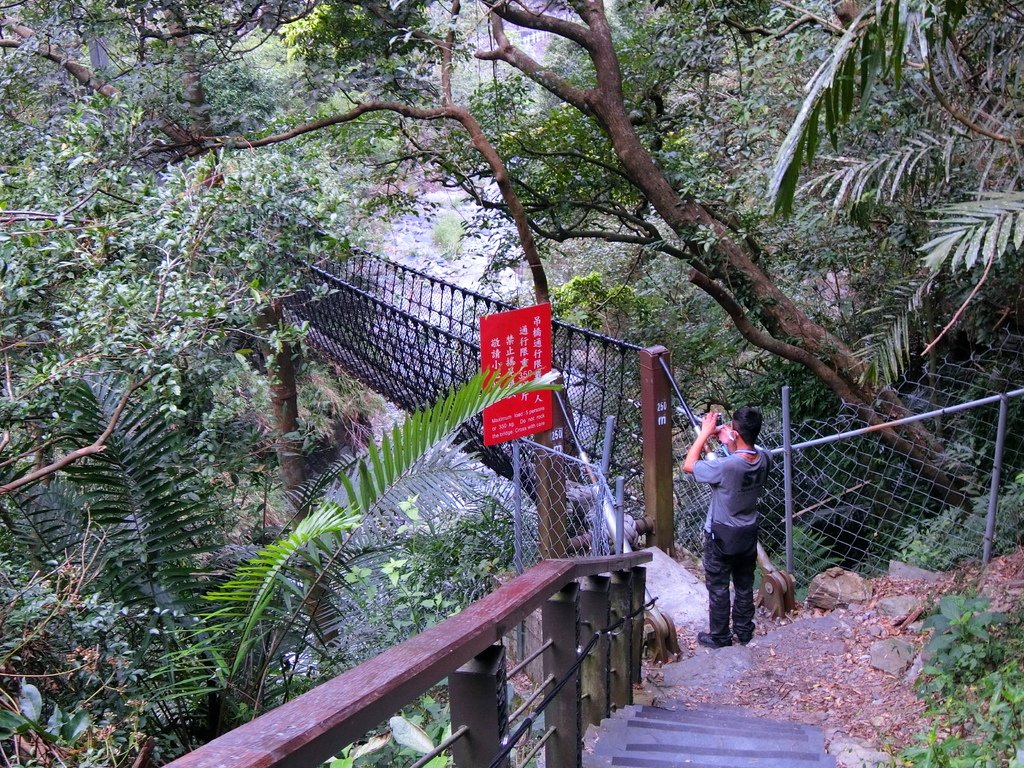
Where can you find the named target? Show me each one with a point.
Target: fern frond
(246, 599)
(884, 176)
(974, 230)
(888, 352)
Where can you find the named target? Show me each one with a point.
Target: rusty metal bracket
(777, 593)
(660, 637)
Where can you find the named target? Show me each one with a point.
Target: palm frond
(149, 521)
(885, 176)
(874, 42)
(887, 351)
(983, 229)
(319, 540)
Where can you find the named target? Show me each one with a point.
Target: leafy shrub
(589, 301)
(449, 232)
(72, 691)
(955, 535)
(973, 683)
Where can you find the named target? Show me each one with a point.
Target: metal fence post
(517, 506)
(594, 614)
(997, 469)
(656, 421)
(560, 617)
(787, 467)
(479, 700)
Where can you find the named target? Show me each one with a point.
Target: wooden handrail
(317, 725)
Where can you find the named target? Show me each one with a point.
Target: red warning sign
(518, 341)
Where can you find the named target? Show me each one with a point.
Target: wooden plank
(319, 724)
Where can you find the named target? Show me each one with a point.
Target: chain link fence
(858, 502)
(573, 511)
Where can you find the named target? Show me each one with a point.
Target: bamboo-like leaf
(978, 229)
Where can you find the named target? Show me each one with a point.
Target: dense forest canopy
(162, 165)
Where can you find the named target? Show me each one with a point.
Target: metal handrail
(581, 656)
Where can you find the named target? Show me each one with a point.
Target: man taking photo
(730, 540)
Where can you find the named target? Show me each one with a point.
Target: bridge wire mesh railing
(412, 337)
(858, 502)
(594, 512)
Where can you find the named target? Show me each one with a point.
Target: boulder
(900, 570)
(897, 607)
(837, 587)
(892, 655)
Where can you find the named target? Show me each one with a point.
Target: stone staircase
(705, 736)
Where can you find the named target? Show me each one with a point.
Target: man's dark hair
(747, 421)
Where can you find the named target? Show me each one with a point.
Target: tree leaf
(30, 702)
(410, 735)
(374, 744)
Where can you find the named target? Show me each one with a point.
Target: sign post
(517, 342)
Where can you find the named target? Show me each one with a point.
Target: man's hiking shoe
(705, 639)
(743, 640)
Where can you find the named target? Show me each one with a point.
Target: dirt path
(815, 668)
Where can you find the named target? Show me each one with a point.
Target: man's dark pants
(718, 570)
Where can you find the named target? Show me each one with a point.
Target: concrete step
(704, 736)
(688, 761)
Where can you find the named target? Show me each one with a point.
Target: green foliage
(81, 693)
(978, 230)
(973, 685)
(866, 52)
(130, 504)
(955, 535)
(449, 232)
(291, 581)
(412, 733)
(962, 645)
(588, 301)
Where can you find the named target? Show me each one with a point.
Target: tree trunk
(284, 403)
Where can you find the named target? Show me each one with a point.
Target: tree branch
(959, 313)
(79, 72)
(960, 117)
(97, 446)
(522, 16)
(546, 78)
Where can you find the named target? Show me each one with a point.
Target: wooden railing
(578, 599)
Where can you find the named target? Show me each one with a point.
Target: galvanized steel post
(997, 469)
(787, 466)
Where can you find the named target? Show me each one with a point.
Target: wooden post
(638, 599)
(551, 491)
(594, 616)
(621, 640)
(656, 421)
(478, 700)
(561, 623)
